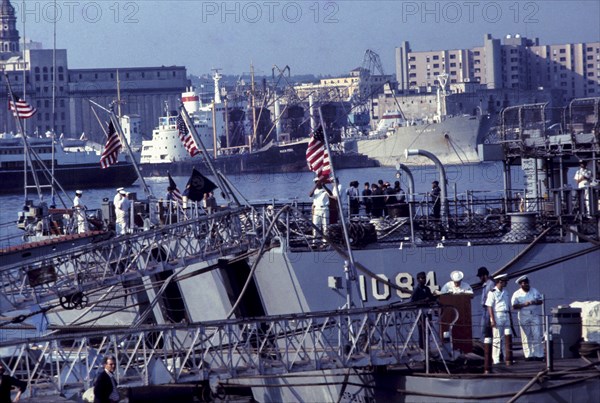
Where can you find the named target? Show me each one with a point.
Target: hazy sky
(320, 37)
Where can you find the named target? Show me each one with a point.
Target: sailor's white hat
(522, 278)
(78, 192)
(316, 179)
(500, 277)
(456, 275)
(120, 189)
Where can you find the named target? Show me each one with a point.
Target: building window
(46, 104)
(452, 56)
(590, 57)
(563, 51)
(436, 57)
(436, 66)
(452, 64)
(476, 53)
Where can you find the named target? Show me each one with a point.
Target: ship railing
(67, 364)
(475, 218)
(70, 275)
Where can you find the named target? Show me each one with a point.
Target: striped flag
(185, 137)
(21, 108)
(110, 155)
(316, 154)
(174, 190)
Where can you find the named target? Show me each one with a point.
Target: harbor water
(485, 178)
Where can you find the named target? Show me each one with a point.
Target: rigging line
(451, 143)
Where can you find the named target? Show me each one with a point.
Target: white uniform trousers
(320, 219)
(530, 324)
(82, 224)
(502, 327)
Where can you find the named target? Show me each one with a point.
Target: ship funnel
(191, 101)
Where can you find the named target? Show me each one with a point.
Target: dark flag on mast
(197, 186)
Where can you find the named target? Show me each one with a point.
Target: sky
(313, 36)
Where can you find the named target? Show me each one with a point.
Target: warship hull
(453, 141)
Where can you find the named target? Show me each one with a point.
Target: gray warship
(247, 297)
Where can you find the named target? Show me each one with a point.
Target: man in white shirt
(528, 301)
(320, 208)
(456, 286)
(122, 212)
(583, 177)
(79, 207)
(498, 304)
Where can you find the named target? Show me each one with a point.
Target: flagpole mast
(119, 130)
(351, 274)
(198, 141)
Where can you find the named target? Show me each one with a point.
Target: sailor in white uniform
(456, 286)
(79, 207)
(320, 208)
(498, 304)
(528, 302)
(121, 212)
(583, 177)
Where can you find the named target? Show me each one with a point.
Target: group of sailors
(497, 306)
(122, 205)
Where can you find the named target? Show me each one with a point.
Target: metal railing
(68, 364)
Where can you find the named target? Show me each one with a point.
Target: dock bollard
(487, 355)
(508, 354)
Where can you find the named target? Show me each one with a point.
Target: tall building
(515, 63)
(62, 97)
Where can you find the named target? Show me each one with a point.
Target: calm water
(267, 186)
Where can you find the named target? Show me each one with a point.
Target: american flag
(316, 154)
(185, 137)
(21, 108)
(175, 191)
(110, 155)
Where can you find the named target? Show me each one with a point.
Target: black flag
(197, 185)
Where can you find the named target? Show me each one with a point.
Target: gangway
(66, 276)
(217, 351)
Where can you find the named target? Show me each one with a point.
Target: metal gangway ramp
(213, 351)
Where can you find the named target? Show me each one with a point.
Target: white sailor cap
(522, 278)
(316, 179)
(500, 277)
(456, 275)
(120, 189)
(78, 192)
(123, 192)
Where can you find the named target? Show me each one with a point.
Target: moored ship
(78, 168)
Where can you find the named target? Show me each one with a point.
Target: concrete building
(62, 98)
(515, 63)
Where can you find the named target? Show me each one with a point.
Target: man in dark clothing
(422, 295)
(105, 387)
(7, 382)
(366, 199)
(435, 198)
(378, 201)
(353, 198)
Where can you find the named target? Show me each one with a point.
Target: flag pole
(119, 130)
(351, 274)
(207, 158)
(27, 149)
(123, 140)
